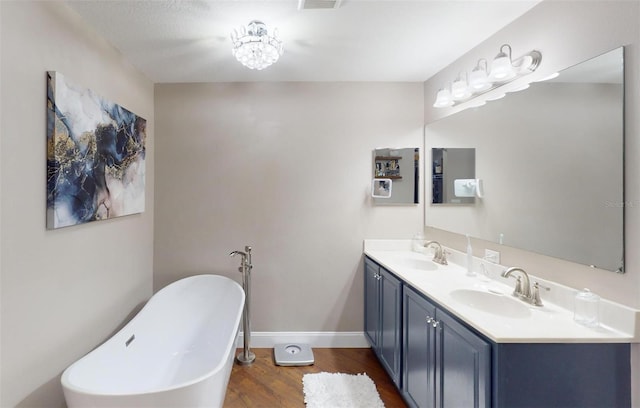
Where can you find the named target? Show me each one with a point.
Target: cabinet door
(463, 366)
(561, 375)
(418, 362)
(371, 302)
(389, 342)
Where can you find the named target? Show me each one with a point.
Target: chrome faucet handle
(439, 256)
(248, 258)
(517, 290)
(443, 257)
(524, 286)
(535, 296)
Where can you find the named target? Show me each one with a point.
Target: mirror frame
(387, 165)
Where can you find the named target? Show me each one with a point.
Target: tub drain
(289, 354)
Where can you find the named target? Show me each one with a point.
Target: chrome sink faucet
(439, 256)
(523, 288)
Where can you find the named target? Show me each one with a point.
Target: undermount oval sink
(497, 304)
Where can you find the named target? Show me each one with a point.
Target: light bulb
(478, 80)
(443, 99)
(501, 69)
(459, 89)
(501, 66)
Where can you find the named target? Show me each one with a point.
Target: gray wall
(568, 32)
(285, 168)
(63, 291)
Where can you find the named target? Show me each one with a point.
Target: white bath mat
(334, 390)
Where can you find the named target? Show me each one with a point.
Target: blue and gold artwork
(95, 156)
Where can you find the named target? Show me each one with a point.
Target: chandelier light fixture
(254, 47)
(481, 80)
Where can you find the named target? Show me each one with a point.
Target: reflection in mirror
(449, 165)
(401, 166)
(551, 157)
(381, 188)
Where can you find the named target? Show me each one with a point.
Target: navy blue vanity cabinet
(383, 308)
(436, 360)
(562, 375)
(463, 365)
(444, 363)
(371, 302)
(419, 351)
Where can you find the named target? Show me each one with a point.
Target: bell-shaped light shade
(443, 99)
(478, 80)
(524, 65)
(501, 68)
(483, 81)
(459, 89)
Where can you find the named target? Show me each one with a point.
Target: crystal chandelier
(254, 47)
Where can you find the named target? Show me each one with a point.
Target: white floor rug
(329, 390)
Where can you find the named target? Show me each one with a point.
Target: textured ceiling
(361, 40)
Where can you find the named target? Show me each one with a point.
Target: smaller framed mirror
(400, 166)
(449, 168)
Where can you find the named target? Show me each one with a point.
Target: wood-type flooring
(266, 385)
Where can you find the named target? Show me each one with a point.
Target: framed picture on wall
(95, 156)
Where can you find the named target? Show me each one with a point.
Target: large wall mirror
(551, 160)
(402, 167)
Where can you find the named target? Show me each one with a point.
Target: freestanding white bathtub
(176, 352)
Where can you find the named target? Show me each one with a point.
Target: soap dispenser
(586, 308)
(417, 242)
(469, 257)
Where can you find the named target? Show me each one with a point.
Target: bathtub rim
(230, 348)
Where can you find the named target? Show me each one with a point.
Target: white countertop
(550, 323)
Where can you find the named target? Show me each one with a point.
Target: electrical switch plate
(492, 256)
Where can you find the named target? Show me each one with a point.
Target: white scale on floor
(293, 354)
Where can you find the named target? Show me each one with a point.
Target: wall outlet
(492, 256)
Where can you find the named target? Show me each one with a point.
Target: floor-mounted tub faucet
(247, 356)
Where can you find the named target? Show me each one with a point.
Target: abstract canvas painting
(95, 156)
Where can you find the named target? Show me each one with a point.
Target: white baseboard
(314, 339)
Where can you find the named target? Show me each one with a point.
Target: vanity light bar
(503, 70)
